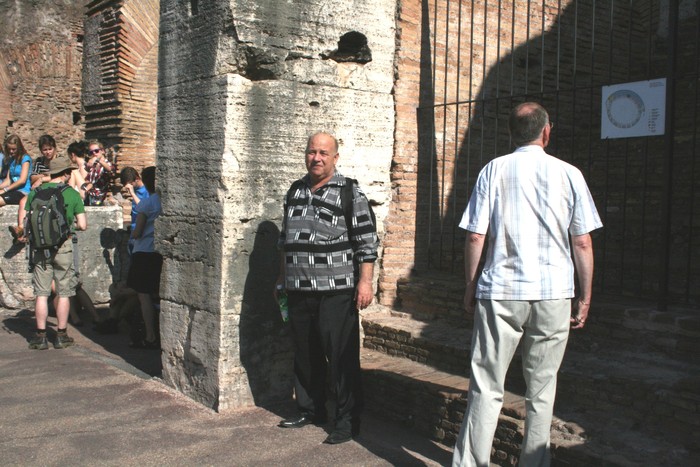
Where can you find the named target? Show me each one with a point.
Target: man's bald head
(526, 123)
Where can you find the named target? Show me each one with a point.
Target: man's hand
(364, 294)
(579, 314)
(279, 281)
(470, 298)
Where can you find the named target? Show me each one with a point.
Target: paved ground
(98, 403)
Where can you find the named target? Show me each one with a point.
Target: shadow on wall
(114, 245)
(563, 68)
(265, 344)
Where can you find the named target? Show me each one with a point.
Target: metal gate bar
(623, 173)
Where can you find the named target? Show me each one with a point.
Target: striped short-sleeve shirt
(529, 203)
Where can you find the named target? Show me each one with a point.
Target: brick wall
(487, 59)
(41, 53)
(120, 79)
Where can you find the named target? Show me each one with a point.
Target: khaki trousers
(499, 325)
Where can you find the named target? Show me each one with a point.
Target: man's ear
(545, 135)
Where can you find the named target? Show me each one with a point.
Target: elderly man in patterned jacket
(329, 242)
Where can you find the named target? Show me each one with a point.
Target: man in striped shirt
(536, 209)
(327, 269)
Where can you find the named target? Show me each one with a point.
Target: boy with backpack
(52, 208)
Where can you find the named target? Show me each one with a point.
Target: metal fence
(488, 56)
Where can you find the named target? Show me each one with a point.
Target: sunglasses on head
(94, 151)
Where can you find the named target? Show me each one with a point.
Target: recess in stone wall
(352, 47)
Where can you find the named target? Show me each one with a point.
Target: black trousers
(326, 334)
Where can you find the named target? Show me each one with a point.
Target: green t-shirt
(71, 198)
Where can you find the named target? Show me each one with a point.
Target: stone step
(437, 343)
(600, 380)
(622, 320)
(432, 402)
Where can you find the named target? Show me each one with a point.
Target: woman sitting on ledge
(17, 184)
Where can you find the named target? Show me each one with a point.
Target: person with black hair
(132, 183)
(146, 262)
(76, 153)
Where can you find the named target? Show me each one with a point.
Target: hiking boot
(62, 340)
(39, 342)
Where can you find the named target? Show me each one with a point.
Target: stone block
(102, 257)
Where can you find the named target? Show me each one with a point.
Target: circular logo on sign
(624, 108)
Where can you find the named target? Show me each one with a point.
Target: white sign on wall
(633, 109)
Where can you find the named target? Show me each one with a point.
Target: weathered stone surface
(102, 260)
(242, 86)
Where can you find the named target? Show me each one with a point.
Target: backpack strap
(347, 201)
(295, 186)
(346, 198)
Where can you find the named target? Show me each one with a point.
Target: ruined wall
(461, 66)
(41, 56)
(120, 77)
(100, 258)
(242, 85)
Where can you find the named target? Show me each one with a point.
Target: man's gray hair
(335, 140)
(526, 122)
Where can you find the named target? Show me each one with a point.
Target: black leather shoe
(338, 437)
(300, 421)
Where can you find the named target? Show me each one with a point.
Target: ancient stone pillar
(242, 84)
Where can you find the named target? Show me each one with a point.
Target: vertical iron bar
(606, 192)
(668, 168)
(456, 145)
(557, 83)
(471, 96)
(527, 48)
(512, 64)
(432, 139)
(543, 29)
(625, 185)
(498, 80)
(591, 93)
(645, 184)
(483, 93)
(441, 207)
(694, 147)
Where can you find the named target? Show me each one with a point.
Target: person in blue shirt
(17, 184)
(131, 181)
(146, 262)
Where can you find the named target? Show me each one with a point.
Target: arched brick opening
(120, 77)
